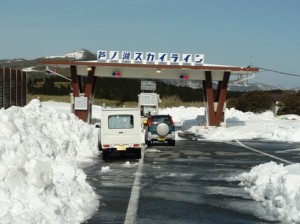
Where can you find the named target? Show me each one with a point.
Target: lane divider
(263, 153)
(135, 193)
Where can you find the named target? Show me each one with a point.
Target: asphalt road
(189, 183)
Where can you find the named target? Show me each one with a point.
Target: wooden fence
(13, 87)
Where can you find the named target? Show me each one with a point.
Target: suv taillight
(171, 121)
(149, 121)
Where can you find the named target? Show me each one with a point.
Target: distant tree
(289, 103)
(231, 102)
(49, 86)
(256, 102)
(30, 87)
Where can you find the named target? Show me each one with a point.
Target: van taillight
(136, 145)
(106, 146)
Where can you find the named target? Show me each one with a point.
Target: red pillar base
(214, 113)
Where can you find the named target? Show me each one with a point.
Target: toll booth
(148, 100)
(148, 103)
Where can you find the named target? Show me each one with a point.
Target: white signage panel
(81, 103)
(148, 85)
(148, 99)
(114, 55)
(199, 59)
(174, 58)
(101, 55)
(138, 57)
(187, 58)
(162, 58)
(150, 57)
(126, 56)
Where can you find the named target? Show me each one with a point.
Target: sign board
(148, 85)
(150, 57)
(81, 103)
(148, 99)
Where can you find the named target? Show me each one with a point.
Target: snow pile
(238, 125)
(129, 165)
(185, 116)
(40, 181)
(105, 169)
(277, 187)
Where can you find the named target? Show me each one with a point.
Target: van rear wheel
(105, 154)
(138, 153)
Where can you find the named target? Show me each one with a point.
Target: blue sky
(227, 32)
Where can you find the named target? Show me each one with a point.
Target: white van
(120, 131)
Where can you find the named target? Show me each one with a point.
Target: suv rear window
(161, 119)
(120, 121)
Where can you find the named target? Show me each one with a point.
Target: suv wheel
(172, 142)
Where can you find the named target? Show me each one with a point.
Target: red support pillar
(77, 90)
(210, 98)
(215, 116)
(75, 86)
(222, 95)
(89, 87)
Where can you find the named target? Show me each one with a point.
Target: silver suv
(160, 128)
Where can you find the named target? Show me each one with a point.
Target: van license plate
(121, 147)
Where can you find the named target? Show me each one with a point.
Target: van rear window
(120, 121)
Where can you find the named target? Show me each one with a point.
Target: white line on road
(135, 194)
(266, 154)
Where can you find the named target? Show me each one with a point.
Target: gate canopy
(214, 100)
(151, 71)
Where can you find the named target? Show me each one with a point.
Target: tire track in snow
(263, 153)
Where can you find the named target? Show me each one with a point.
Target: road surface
(192, 182)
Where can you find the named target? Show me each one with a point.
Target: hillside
(235, 87)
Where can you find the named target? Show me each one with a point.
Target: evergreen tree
(256, 101)
(290, 103)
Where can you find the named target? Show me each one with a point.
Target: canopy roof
(151, 71)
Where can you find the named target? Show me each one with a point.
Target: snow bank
(238, 125)
(277, 187)
(40, 181)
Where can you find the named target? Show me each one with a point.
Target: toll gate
(152, 68)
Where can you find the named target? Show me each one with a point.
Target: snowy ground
(42, 145)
